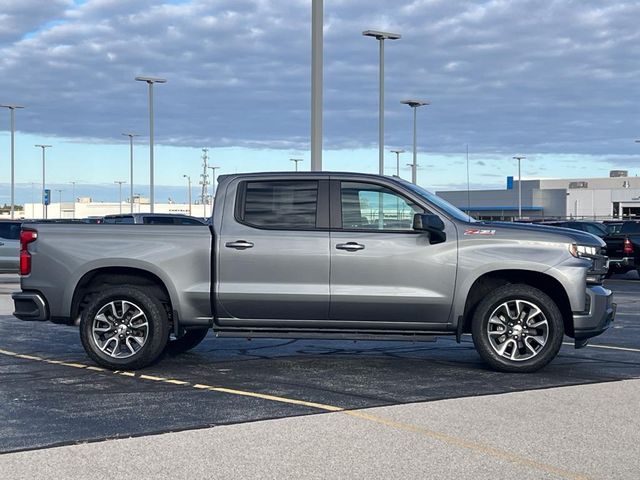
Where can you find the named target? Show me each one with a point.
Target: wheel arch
(93, 280)
(491, 280)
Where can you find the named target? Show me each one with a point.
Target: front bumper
(597, 317)
(30, 306)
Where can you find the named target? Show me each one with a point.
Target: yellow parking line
(434, 435)
(469, 445)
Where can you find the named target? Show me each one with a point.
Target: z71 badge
(479, 231)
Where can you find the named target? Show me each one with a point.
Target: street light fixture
(381, 37)
(120, 182)
(296, 161)
(414, 104)
(397, 152)
(44, 207)
(150, 81)
(189, 184)
(519, 158)
(131, 135)
(12, 108)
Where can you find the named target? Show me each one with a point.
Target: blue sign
(47, 196)
(510, 183)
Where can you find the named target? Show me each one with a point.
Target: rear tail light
(26, 237)
(628, 247)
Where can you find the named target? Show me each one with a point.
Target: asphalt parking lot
(480, 421)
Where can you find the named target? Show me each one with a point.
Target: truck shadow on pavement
(47, 404)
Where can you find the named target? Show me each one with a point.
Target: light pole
(213, 184)
(73, 198)
(519, 157)
(120, 182)
(316, 84)
(59, 201)
(414, 104)
(131, 135)
(381, 37)
(296, 161)
(189, 183)
(44, 207)
(397, 152)
(12, 108)
(150, 81)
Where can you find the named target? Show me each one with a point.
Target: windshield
(439, 202)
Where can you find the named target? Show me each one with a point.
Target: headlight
(582, 250)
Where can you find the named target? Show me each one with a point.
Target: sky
(555, 81)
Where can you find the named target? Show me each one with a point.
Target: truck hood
(521, 229)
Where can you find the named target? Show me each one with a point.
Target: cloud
(502, 76)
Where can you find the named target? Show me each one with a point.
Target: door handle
(350, 246)
(239, 244)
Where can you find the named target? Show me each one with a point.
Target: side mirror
(432, 224)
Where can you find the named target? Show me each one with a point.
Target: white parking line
(610, 347)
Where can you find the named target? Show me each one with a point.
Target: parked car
(9, 246)
(623, 248)
(595, 228)
(152, 219)
(320, 254)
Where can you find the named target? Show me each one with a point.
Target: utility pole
(205, 181)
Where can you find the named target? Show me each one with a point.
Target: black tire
(528, 340)
(189, 340)
(100, 337)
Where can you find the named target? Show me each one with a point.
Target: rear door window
(10, 230)
(282, 205)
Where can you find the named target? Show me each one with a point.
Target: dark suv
(595, 228)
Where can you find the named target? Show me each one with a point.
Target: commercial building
(84, 207)
(616, 196)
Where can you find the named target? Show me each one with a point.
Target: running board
(332, 335)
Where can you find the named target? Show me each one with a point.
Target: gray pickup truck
(318, 255)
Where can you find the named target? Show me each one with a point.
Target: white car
(10, 246)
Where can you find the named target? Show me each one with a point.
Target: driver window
(366, 206)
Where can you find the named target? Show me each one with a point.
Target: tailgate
(615, 246)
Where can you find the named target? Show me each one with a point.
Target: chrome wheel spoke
(514, 336)
(120, 329)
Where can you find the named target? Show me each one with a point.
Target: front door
(274, 254)
(383, 273)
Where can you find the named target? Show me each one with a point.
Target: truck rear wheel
(124, 328)
(517, 328)
(189, 340)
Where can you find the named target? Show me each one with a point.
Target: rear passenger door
(273, 253)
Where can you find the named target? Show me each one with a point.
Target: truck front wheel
(124, 328)
(517, 328)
